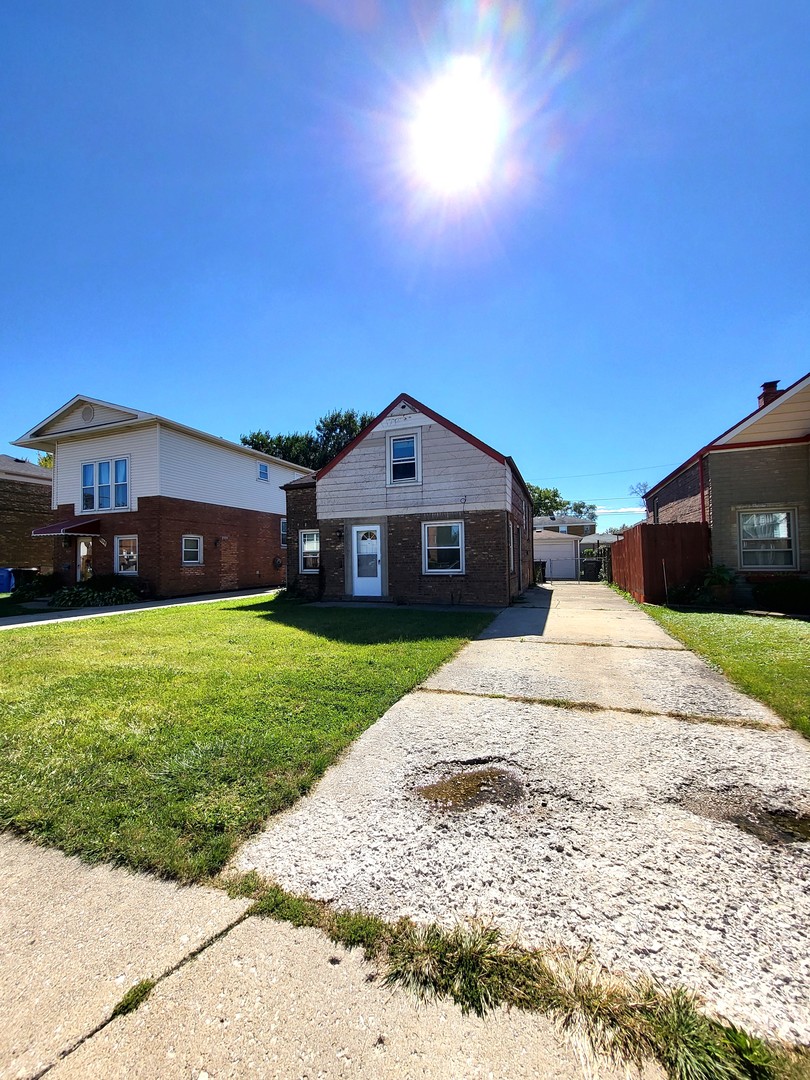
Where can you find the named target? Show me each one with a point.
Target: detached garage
(560, 553)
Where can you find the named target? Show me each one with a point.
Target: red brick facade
(486, 579)
(23, 507)
(241, 548)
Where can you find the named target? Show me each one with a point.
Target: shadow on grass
(367, 626)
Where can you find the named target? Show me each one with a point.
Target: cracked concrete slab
(654, 680)
(74, 938)
(270, 1000)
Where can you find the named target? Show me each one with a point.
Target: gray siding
(452, 469)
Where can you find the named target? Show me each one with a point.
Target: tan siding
(777, 477)
(452, 469)
(138, 444)
(192, 468)
(72, 420)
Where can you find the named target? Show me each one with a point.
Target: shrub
(88, 594)
(790, 595)
(38, 586)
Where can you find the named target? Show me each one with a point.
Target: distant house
(25, 503)
(565, 523)
(136, 494)
(751, 485)
(414, 510)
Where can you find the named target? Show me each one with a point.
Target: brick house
(25, 503)
(136, 494)
(751, 485)
(414, 510)
(565, 523)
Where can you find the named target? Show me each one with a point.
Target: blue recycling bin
(6, 579)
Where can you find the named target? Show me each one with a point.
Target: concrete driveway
(577, 775)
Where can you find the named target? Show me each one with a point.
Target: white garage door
(560, 560)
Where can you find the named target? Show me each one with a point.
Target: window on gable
(403, 459)
(443, 547)
(105, 484)
(310, 551)
(283, 532)
(126, 554)
(263, 471)
(767, 539)
(192, 550)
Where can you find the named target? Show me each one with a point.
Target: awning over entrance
(75, 526)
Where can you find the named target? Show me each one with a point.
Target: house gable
(81, 415)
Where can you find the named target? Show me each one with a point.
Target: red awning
(75, 526)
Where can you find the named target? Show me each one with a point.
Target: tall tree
(581, 510)
(640, 489)
(44, 459)
(312, 449)
(546, 501)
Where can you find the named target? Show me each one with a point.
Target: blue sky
(205, 214)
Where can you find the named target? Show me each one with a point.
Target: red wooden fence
(651, 559)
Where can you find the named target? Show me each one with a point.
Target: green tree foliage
(581, 510)
(312, 449)
(549, 501)
(45, 460)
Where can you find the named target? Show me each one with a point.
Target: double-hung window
(443, 547)
(105, 484)
(192, 550)
(310, 551)
(767, 539)
(262, 471)
(403, 459)
(126, 555)
(283, 532)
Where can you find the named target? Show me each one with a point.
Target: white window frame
(308, 569)
(511, 548)
(390, 439)
(283, 532)
(199, 561)
(793, 519)
(94, 465)
(462, 561)
(116, 541)
(266, 466)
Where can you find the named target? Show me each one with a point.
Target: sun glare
(457, 129)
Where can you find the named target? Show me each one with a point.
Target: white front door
(366, 561)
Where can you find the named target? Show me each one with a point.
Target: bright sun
(457, 129)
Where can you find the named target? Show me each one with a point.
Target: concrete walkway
(239, 997)
(638, 810)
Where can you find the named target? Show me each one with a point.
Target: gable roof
(406, 399)
(43, 437)
(786, 419)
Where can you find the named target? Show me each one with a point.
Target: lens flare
(458, 128)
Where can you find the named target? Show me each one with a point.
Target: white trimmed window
(263, 471)
(511, 548)
(767, 539)
(192, 550)
(309, 551)
(105, 484)
(126, 554)
(443, 547)
(283, 532)
(404, 465)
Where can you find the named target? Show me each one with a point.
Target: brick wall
(768, 477)
(679, 500)
(24, 507)
(301, 514)
(524, 558)
(239, 546)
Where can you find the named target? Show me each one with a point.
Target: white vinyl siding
(74, 422)
(453, 473)
(192, 468)
(139, 445)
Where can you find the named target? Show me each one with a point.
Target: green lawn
(162, 739)
(767, 658)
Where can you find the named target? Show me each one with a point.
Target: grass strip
(765, 657)
(162, 739)
(628, 1022)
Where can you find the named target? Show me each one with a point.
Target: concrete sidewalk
(237, 996)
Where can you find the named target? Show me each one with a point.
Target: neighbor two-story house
(138, 495)
(751, 485)
(413, 510)
(25, 502)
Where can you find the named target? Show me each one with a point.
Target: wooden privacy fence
(651, 559)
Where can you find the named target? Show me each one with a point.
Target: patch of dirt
(467, 788)
(738, 807)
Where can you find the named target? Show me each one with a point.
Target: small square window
(126, 555)
(310, 551)
(283, 532)
(263, 471)
(192, 550)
